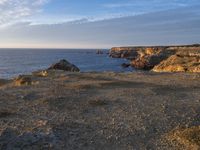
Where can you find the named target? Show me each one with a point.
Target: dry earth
(90, 111)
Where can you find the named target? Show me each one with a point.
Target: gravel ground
(91, 111)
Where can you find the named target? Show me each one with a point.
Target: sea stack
(64, 65)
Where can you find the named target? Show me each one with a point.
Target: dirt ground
(100, 111)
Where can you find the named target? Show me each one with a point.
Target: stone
(177, 63)
(23, 80)
(64, 65)
(147, 62)
(99, 52)
(41, 73)
(125, 65)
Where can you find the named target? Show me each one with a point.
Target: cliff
(161, 58)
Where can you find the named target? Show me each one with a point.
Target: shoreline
(180, 58)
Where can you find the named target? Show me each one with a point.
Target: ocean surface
(14, 62)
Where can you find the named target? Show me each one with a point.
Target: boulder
(179, 63)
(99, 52)
(41, 73)
(64, 65)
(23, 80)
(125, 65)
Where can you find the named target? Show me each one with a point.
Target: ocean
(14, 62)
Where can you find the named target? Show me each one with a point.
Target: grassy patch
(189, 137)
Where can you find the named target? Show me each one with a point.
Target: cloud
(156, 4)
(14, 10)
(118, 5)
(178, 26)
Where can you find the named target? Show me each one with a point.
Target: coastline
(66, 110)
(180, 58)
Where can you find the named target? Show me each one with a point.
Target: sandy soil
(100, 111)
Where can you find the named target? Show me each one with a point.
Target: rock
(179, 63)
(189, 52)
(183, 58)
(23, 80)
(123, 53)
(41, 73)
(64, 65)
(125, 65)
(3, 82)
(153, 50)
(99, 52)
(147, 62)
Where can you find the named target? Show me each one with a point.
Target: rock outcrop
(23, 80)
(99, 52)
(64, 65)
(150, 57)
(161, 58)
(125, 65)
(179, 63)
(134, 52)
(147, 62)
(128, 53)
(41, 73)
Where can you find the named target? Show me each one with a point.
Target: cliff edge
(183, 58)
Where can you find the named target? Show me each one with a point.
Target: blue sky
(98, 23)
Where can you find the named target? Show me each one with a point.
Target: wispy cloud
(151, 4)
(14, 10)
(118, 5)
(176, 26)
(142, 22)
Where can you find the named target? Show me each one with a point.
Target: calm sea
(24, 61)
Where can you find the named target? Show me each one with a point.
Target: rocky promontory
(183, 58)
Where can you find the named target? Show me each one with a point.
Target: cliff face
(181, 62)
(161, 58)
(132, 52)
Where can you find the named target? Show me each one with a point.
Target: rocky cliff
(184, 58)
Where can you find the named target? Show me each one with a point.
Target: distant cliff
(181, 58)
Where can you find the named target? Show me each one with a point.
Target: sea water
(14, 62)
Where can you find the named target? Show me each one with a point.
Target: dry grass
(189, 137)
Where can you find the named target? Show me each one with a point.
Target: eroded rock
(125, 65)
(41, 73)
(23, 80)
(147, 62)
(177, 63)
(183, 58)
(64, 65)
(99, 52)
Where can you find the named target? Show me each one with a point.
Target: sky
(98, 23)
